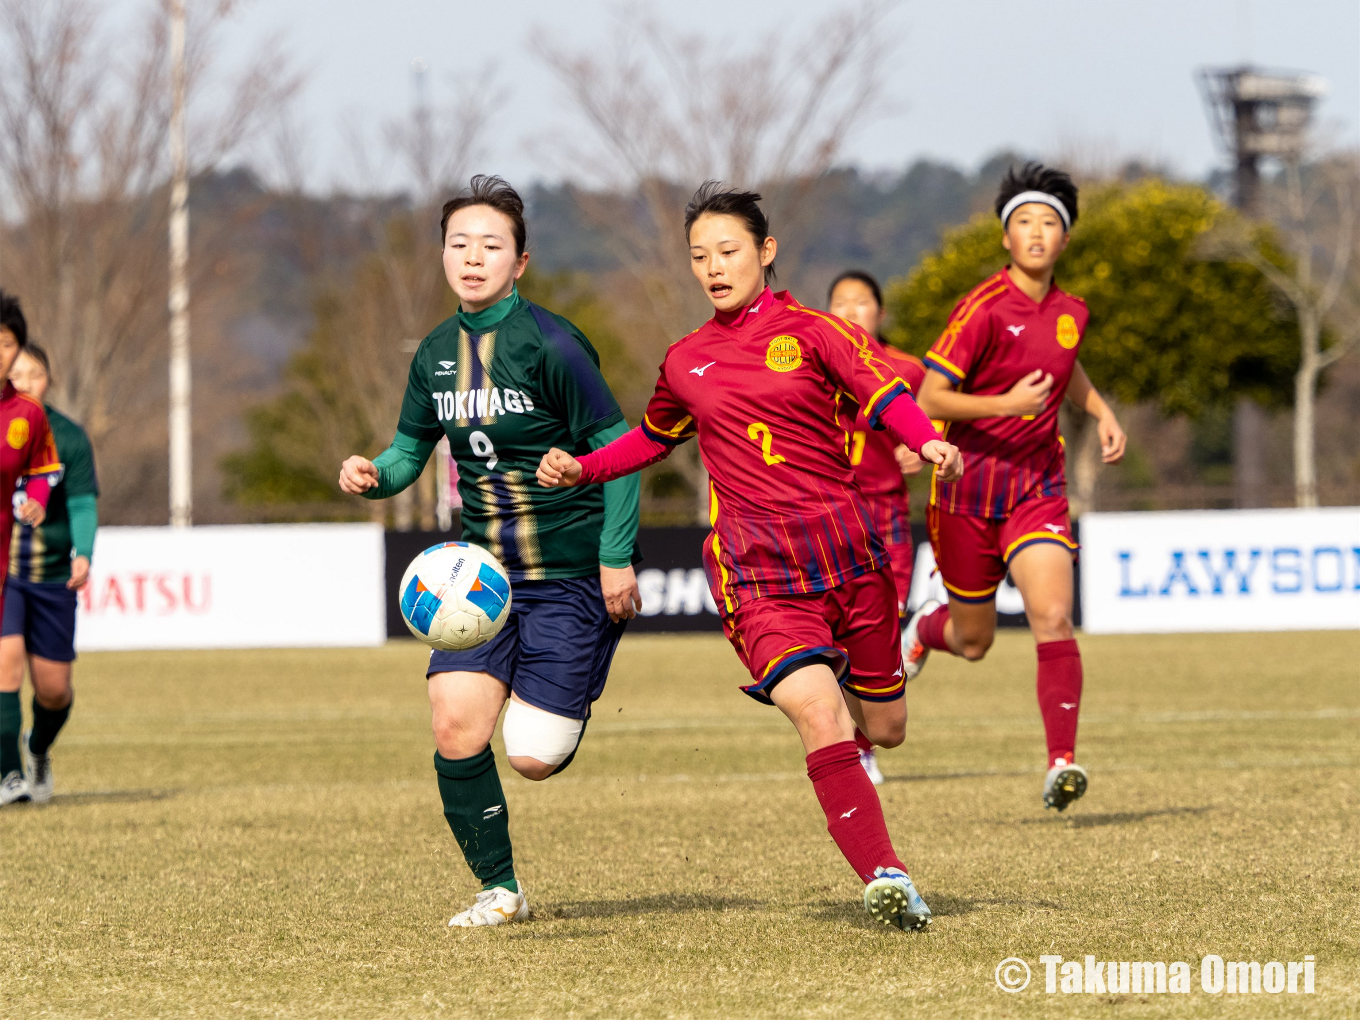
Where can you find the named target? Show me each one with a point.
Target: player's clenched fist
(950, 461)
(558, 467)
(357, 476)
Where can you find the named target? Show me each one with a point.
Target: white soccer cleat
(1065, 782)
(914, 654)
(13, 788)
(493, 906)
(870, 762)
(891, 898)
(38, 767)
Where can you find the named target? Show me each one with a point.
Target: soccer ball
(455, 596)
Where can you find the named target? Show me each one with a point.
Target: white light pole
(181, 429)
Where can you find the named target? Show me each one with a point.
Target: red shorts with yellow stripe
(974, 553)
(852, 628)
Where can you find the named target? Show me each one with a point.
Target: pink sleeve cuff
(39, 489)
(631, 452)
(907, 422)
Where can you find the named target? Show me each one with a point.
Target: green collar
(479, 322)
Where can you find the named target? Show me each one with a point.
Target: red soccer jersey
(871, 450)
(28, 451)
(996, 336)
(772, 393)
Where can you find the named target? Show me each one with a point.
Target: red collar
(1040, 305)
(739, 319)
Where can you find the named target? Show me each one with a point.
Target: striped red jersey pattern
(871, 450)
(996, 336)
(26, 451)
(772, 393)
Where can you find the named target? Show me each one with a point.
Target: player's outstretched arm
(946, 457)
(558, 468)
(631, 452)
(357, 476)
(393, 470)
(1085, 396)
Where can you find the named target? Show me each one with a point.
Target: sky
(967, 78)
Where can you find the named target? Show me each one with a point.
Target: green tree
(1168, 325)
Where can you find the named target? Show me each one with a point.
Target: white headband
(1036, 196)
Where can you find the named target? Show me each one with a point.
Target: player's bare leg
(965, 629)
(464, 709)
(814, 703)
(876, 723)
(971, 628)
(52, 696)
(1043, 573)
(13, 787)
(883, 722)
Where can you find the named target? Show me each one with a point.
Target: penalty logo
(784, 354)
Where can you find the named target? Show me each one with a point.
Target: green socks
(11, 722)
(474, 806)
(47, 723)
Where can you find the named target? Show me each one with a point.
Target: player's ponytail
(713, 197)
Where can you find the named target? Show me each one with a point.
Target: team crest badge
(17, 435)
(784, 354)
(1067, 331)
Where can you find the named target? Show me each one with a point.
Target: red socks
(854, 815)
(862, 743)
(930, 631)
(1059, 689)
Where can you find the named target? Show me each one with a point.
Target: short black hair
(35, 351)
(1037, 177)
(716, 198)
(496, 193)
(12, 317)
(857, 274)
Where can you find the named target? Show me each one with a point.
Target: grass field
(259, 834)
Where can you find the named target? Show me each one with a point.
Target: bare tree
(399, 292)
(1314, 209)
(83, 171)
(666, 112)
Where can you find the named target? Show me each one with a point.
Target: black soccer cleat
(1063, 785)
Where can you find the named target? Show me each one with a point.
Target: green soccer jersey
(504, 396)
(44, 553)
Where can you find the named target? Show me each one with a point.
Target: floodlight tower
(1257, 115)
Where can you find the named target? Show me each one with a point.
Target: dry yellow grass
(259, 834)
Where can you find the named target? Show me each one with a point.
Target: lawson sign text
(1221, 570)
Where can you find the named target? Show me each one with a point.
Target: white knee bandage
(533, 733)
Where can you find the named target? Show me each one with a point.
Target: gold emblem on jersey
(1068, 336)
(17, 435)
(784, 354)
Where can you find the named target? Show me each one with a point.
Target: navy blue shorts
(44, 615)
(554, 650)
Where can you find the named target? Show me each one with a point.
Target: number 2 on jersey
(760, 433)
